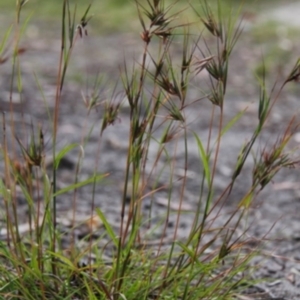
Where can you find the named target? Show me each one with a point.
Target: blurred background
(269, 41)
(119, 15)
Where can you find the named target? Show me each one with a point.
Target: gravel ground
(275, 208)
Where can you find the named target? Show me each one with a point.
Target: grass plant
(212, 261)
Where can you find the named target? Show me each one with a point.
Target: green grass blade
(204, 158)
(5, 39)
(62, 153)
(190, 252)
(232, 121)
(71, 187)
(107, 226)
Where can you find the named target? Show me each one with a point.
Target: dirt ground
(276, 209)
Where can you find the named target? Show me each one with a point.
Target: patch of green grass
(277, 42)
(115, 15)
(107, 14)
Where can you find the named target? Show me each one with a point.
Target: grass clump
(130, 260)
